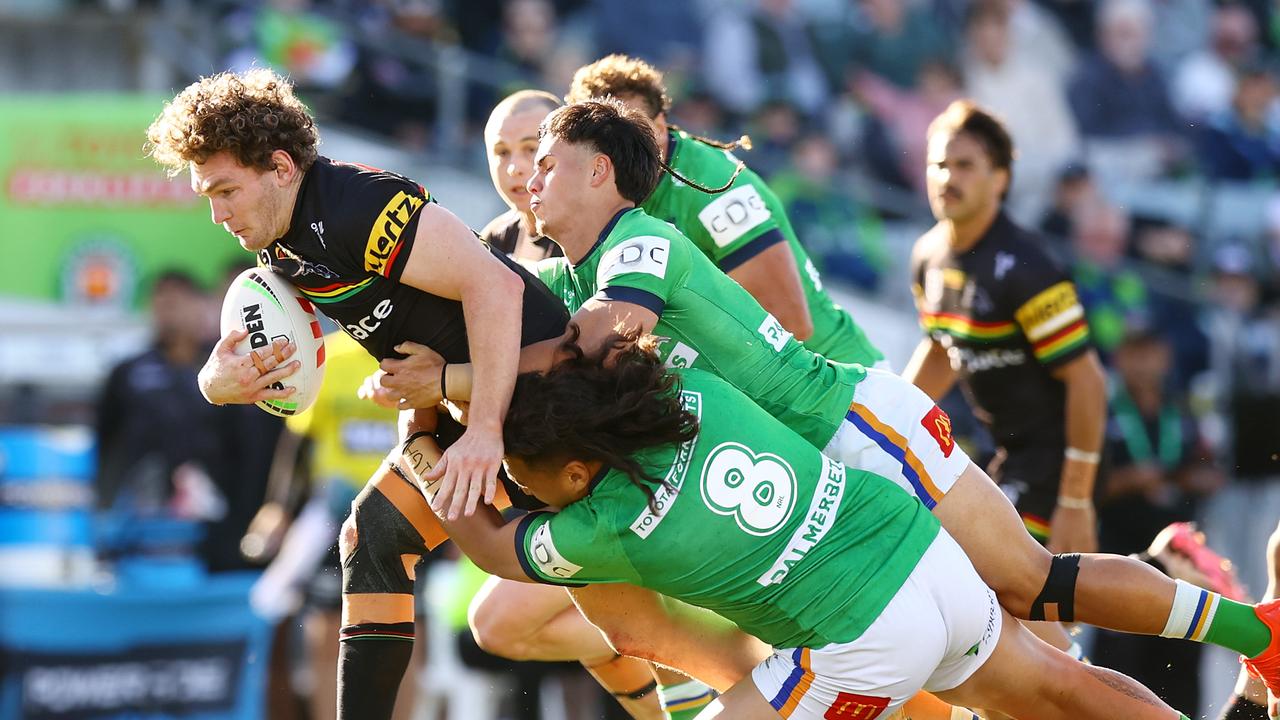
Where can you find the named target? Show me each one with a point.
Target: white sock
(1192, 612)
(685, 696)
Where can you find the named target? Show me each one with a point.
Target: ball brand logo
(251, 315)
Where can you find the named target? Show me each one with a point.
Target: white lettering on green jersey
(706, 320)
(728, 227)
(795, 548)
(665, 495)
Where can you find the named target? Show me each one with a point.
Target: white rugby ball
(269, 308)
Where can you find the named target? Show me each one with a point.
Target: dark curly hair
(606, 406)
(250, 114)
(617, 131)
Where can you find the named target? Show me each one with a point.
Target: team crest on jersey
(938, 424)
(852, 706)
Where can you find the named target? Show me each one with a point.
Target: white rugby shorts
(893, 429)
(939, 628)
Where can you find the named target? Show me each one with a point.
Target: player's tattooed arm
(449, 261)
(488, 540)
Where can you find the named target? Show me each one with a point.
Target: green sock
(1203, 616)
(685, 700)
(1236, 626)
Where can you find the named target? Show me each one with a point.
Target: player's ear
(283, 166)
(600, 169)
(577, 476)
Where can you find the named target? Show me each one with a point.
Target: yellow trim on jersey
(1049, 311)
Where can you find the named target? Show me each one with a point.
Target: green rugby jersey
(734, 226)
(708, 321)
(758, 526)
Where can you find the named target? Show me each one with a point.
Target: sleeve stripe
(1051, 326)
(635, 296)
(521, 535)
(766, 240)
(1064, 342)
(1041, 315)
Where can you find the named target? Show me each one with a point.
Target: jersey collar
(598, 478)
(604, 234)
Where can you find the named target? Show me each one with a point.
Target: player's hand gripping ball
(269, 308)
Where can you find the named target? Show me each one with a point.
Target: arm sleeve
(378, 223)
(644, 270)
(739, 223)
(573, 547)
(1047, 308)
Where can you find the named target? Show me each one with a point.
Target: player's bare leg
(390, 527)
(1025, 677)
(521, 621)
(1110, 591)
(697, 642)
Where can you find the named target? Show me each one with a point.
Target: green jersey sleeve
(645, 270)
(573, 547)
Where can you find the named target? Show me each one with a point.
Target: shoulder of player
(931, 243)
(1029, 247)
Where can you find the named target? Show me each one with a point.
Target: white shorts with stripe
(938, 629)
(893, 429)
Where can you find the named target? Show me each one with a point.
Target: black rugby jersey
(352, 230)
(1007, 315)
(507, 233)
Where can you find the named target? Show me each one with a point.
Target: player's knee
(348, 537)
(500, 629)
(1021, 580)
(625, 641)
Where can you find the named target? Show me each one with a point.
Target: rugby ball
(269, 308)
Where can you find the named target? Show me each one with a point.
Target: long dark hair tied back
(605, 405)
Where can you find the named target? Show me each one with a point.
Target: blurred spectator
(1243, 143)
(163, 450)
(391, 94)
(1169, 250)
(894, 40)
(158, 446)
(1114, 296)
(1073, 190)
(1182, 27)
(700, 113)
(314, 51)
(774, 129)
(900, 118)
(1244, 337)
(1159, 470)
(1119, 94)
(667, 33)
(1037, 38)
(1030, 100)
(764, 50)
(1076, 18)
(1204, 81)
(533, 42)
(847, 238)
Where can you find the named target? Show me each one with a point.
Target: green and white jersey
(738, 224)
(757, 526)
(708, 321)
